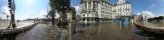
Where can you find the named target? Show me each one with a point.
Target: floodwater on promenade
(112, 31)
(5, 24)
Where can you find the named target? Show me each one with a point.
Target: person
(141, 19)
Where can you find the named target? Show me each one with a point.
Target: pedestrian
(141, 19)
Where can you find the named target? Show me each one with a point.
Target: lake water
(113, 31)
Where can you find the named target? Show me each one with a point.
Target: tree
(51, 13)
(160, 18)
(157, 19)
(61, 6)
(73, 10)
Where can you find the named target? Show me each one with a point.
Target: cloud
(147, 13)
(78, 9)
(5, 10)
(57, 15)
(42, 14)
(29, 2)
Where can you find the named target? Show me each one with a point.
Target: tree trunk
(53, 18)
(13, 20)
(63, 18)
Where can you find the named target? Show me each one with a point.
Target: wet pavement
(39, 32)
(57, 33)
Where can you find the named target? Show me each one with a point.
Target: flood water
(5, 24)
(102, 31)
(113, 31)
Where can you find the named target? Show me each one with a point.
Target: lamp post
(12, 12)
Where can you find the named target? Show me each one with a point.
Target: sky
(38, 8)
(25, 9)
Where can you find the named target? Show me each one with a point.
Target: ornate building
(95, 11)
(102, 11)
(122, 8)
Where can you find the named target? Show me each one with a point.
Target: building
(102, 11)
(95, 11)
(71, 15)
(122, 8)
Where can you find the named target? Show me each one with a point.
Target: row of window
(122, 6)
(91, 5)
(87, 15)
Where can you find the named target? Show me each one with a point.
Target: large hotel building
(102, 11)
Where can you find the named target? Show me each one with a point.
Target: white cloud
(147, 13)
(57, 15)
(5, 10)
(78, 9)
(138, 13)
(21, 18)
(42, 14)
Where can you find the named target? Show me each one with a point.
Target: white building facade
(101, 11)
(122, 8)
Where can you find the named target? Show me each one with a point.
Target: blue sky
(27, 8)
(38, 8)
(155, 7)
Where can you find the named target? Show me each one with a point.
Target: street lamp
(12, 12)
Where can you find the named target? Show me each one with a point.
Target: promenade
(39, 32)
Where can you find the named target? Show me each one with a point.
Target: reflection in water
(110, 31)
(151, 36)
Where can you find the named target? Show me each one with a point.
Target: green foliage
(157, 19)
(60, 5)
(51, 13)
